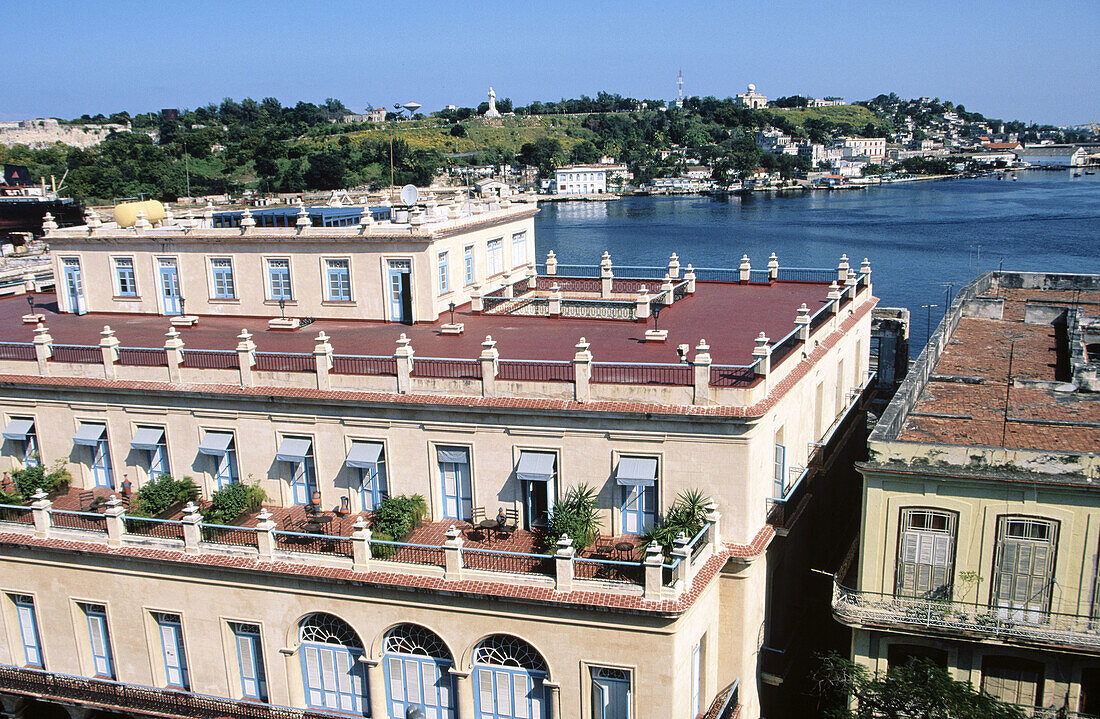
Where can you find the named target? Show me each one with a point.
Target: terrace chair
(510, 525)
(473, 529)
(603, 547)
(86, 499)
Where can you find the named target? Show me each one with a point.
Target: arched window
(508, 676)
(327, 629)
(331, 671)
(417, 667)
(416, 640)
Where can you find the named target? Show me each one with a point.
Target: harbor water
(924, 239)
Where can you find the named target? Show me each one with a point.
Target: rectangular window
(158, 457)
(125, 280)
(1024, 567)
(20, 431)
(250, 659)
(100, 640)
(456, 484)
(171, 644)
(468, 264)
(1012, 680)
(338, 280)
(278, 279)
(610, 693)
(222, 270)
(696, 677)
(779, 468)
(28, 630)
(519, 249)
(926, 551)
(227, 467)
(444, 284)
(495, 252)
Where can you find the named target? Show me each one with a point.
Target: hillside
(855, 115)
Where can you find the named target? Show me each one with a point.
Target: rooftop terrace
(1013, 366)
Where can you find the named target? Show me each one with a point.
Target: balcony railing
(139, 699)
(975, 620)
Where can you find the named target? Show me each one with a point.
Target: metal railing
(493, 560)
(16, 514)
(730, 707)
(17, 351)
(83, 521)
(210, 359)
(599, 309)
(609, 570)
(229, 535)
(639, 272)
(569, 284)
(313, 543)
(76, 354)
(137, 698)
(717, 274)
(577, 270)
(285, 362)
(823, 315)
(722, 375)
(699, 543)
(143, 356)
(151, 527)
(785, 346)
(806, 274)
(950, 617)
(535, 371)
(364, 365)
(407, 553)
(640, 373)
(445, 368)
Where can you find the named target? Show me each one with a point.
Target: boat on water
(23, 205)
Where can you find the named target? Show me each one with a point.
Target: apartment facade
(979, 531)
(506, 405)
(580, 179)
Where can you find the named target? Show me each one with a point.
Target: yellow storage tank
(126, 212)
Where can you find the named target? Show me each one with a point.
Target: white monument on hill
(492, 111)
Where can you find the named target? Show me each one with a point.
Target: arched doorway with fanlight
(332, 675)
(417, 665)
(508, 679)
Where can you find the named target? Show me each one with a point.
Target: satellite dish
(409, 194)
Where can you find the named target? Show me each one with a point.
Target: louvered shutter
(30, 634)
(248, 666)
(313, 677)
(520, 690)
(941, 555)
(485, 691)
(397, 680)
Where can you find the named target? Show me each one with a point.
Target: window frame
(160, 621)
(330, 269)
(215, 271)
(97, 611)
(519, 239)
(494, 253)
(269, 279)
(117, 276)
(950, 530)
(28, 602)
(468, 266)
(443, 267)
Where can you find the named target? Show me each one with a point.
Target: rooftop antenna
(680, 89)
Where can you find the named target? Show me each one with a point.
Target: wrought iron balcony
(972, 621)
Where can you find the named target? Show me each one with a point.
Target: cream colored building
(981, 520)
(751, 98)
(357, 411)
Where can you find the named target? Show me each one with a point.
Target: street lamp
(451, 307)
(656, 313)
(183, 305)
(30, 303)
(282, 306)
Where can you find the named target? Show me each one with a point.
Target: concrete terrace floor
(728, 315)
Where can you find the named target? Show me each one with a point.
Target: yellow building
(981, 520)
(533, 384)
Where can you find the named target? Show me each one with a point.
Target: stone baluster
(850, 285)
(360, 545)
(842, 269)
(532, 279)
(248, 222)
(490, 359)
(715, 518)
(554, 307)
(404, 357)
(322, 359)
(49, 226)
(303, 223)
(40, 512)
(689, 277)
(683, 569)
(563, 564)
(173, 349)
(834, 299)
(43, 349)
(452, 554)
(551, 263)
(246, 356)
(666, 290)
(762, 352)
(116, 521)
(674, 266)
(192, 528)
(802, 322)
(108, 347)
(745, 269)
(654, 572)
(28, 283)
(773, 268)
(265, 534)
(701, 364)
(607, 277)
(477, 303)
(366, 221)
(582, 371)
(642, 303)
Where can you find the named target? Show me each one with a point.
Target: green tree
(918, 690)
(544, 153)
(327, 170)
(584, 153)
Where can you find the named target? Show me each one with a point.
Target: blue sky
(1007, 59)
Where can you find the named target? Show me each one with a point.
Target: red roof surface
(728, 315)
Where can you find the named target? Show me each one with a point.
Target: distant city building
(376, 115)
(826, 102)
(751, 98)
(44, 132)
(871, 148)
(1052, 155)
(580, 179)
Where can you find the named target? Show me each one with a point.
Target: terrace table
(488, 526)
(319, 522)
(624, 550)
